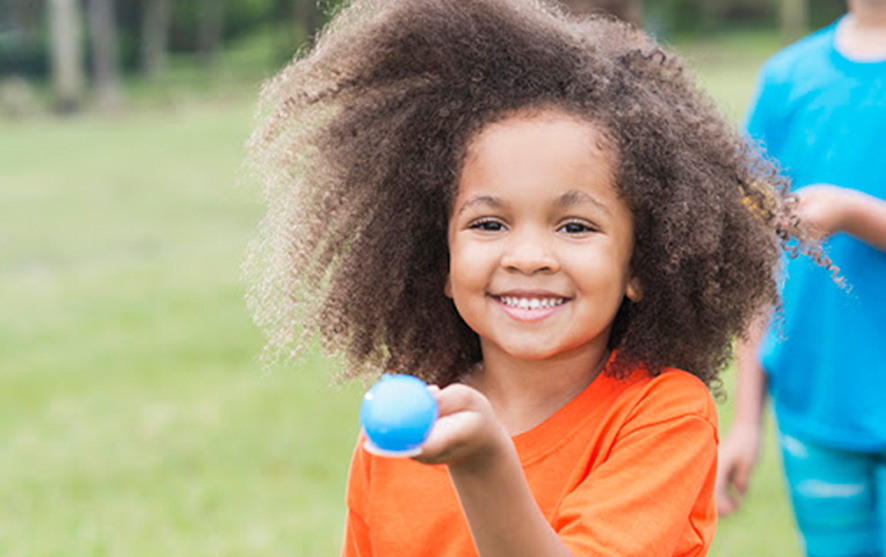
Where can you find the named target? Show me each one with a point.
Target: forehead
(544, 151)
(542, 121)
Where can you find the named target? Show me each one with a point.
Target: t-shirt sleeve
(653, 494)
(764, 118)
(357, 540)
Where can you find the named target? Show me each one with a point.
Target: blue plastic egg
(397, 414)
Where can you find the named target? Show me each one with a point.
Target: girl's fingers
(449, 430)
(463, 426)
(447, 437)
(459, 398)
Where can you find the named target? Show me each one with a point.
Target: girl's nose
(529, 253)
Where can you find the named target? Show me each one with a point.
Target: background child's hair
(360, 145)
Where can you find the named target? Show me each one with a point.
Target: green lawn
(134, 417)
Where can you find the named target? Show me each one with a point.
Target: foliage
(24, 39)
(665, 17)
(23, 31)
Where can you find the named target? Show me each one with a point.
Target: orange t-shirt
(625, 468)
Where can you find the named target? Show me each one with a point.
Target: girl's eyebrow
(568, 199)
(575, 197)
(481, 199)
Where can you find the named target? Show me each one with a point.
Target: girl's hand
(495, 497)
(467, 433)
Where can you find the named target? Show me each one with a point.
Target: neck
(861, 36)
(868, 14)
(525, 393)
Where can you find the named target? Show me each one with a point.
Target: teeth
(531, 303)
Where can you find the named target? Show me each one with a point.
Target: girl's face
(540, 243)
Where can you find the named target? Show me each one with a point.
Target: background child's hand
(831, 209)
(825, 207)
(738, 455)
(467, 433)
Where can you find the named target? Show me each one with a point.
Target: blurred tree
(66, 54)
(309, 15)
(209, 29)
(105, 54)
(794, 15)
(20, 40)
(156, 16)
(300, 19)
(664, 17)
(628, 10)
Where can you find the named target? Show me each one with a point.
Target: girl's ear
(447, 288)
(633, 292)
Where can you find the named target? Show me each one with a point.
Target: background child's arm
(485, 470)
(740, 449)
(833, 209)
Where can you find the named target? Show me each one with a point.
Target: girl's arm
(650, 495)
(833, 209)
(485, 470)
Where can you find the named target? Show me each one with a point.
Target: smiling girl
(546, 219)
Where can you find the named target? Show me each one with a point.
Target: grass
(134, 417)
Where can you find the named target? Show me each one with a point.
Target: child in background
(820, 110)
(544, 217)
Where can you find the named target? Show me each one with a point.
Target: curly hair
(360, 143)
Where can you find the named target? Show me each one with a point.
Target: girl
(545, 218)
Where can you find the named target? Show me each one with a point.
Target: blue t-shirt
(823, 117)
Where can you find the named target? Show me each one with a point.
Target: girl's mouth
(530, 308)
(530, 302)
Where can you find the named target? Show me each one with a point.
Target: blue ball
(398, 413)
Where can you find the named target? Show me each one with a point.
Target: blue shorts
(839, 498)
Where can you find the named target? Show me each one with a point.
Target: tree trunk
(67, 57)
(311, 17)
(156, 18)
(712, 13)
(794, 19)
(210, 30)
(105, 54)
(306, 18)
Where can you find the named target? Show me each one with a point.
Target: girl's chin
(530, 354)
(536, 351)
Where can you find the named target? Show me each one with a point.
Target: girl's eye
(487, 225)
(576, 228)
